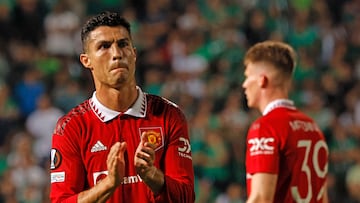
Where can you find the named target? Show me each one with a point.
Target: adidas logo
(98, 147)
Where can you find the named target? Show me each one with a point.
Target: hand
(144, 158)
(116, 163)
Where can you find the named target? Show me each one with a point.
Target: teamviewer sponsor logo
(98, 147)
(262, 145)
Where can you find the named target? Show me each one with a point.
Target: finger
(147, 151)
(150, 145)
(122, 148)
(114, 150)
(144, 138)
(144, 156)
(140, 164)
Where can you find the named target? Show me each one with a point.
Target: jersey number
(321, 173)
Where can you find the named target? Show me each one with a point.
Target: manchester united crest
(154, 136)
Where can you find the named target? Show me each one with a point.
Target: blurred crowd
(189, 51)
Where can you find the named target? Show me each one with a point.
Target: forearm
(154, 180)
(101, 192)
(174, 189)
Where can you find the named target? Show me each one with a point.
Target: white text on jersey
(261, 146)
(303, 125)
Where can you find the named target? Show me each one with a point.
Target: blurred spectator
(40, 124)
(234, 193)
(191, 18)
(60, 27)
(4, 66)
(255, 27)
(348, 117)
(96, 6)
(302, 33)
(353, 184)
(7, 188)
(67, 91)
(323, 115)
(233, 114)
(9, 112)
(342, 147)
(153, 81)
(5, 24)
(21, 55)
(306, 68)
(28, 90)
(28, 178)
(27, 19)
(216, 159)
(203, 190)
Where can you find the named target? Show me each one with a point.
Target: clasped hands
(143, 160)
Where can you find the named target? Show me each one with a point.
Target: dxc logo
(261, 144)
(186, 147)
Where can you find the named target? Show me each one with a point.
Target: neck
(117, 99)
(270, 96)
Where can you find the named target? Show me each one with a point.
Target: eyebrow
(111, 41)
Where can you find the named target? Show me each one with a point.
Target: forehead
(108, 33)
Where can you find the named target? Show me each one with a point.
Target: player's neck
(118, 99)
(269, 97)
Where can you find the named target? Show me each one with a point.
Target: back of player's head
(105, 18)
(279, 54)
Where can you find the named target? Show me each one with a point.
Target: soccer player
(286, 155)
(122, 144)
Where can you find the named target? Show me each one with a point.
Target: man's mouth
(119, 66)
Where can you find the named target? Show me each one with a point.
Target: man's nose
(243, 84)
(116, 52)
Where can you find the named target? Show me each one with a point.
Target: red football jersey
(83, 138)
(288, 143)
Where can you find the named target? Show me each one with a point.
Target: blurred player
(286, 155)
(122, 144)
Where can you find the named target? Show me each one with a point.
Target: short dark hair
(277, 53)
(105, 18)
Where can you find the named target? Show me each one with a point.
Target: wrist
(154, 178)
(109, 184)
(150, 174)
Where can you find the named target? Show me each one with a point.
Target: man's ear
(263, 81)
(84, 59)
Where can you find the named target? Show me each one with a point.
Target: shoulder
(160, 105)
(270, 123)
(75, 115)
(155, 99)
(160, 102)
(279, 117)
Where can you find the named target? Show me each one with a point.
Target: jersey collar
(285, 103)
(105, 114)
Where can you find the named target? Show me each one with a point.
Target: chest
(98, 138)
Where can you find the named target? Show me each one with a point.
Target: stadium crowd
(191, 53)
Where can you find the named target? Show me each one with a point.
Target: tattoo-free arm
(262, 188)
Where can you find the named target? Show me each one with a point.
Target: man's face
(110, 56)
(252, 84)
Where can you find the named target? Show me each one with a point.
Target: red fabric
(80, 130)
(277, 143)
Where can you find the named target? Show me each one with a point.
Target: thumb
(144, 138)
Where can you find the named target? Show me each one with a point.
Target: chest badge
(154, 135)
